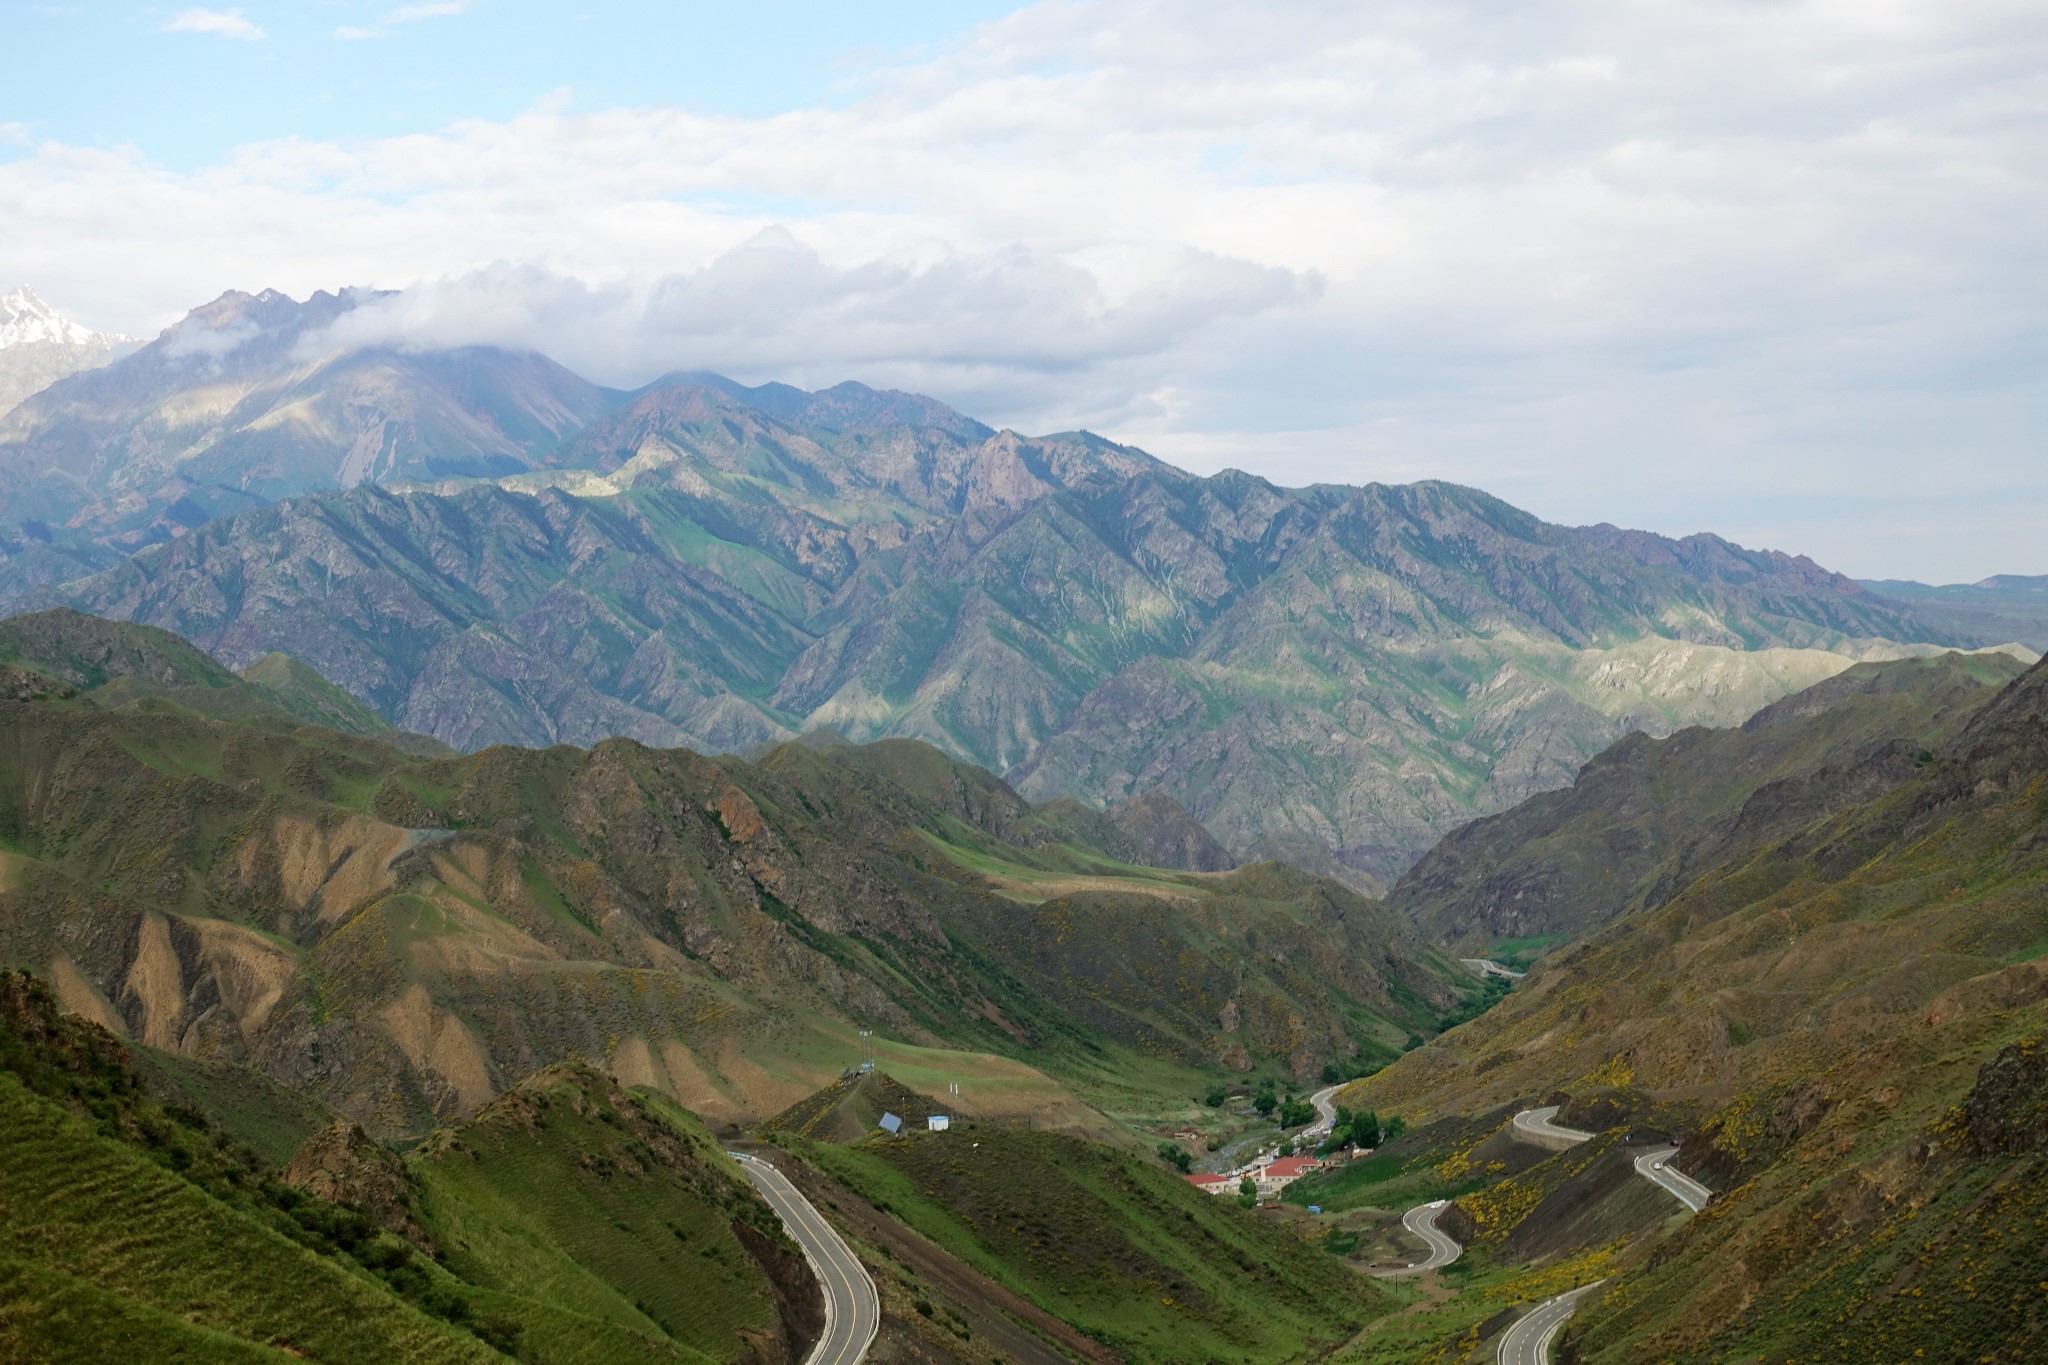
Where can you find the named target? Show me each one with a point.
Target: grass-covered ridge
(571, 1222)
(407, 935)
(1109, 1241)
(1842, 1022)
(602, 1216)
(134, 1231)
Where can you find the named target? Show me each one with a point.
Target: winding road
(853, 1311)
(1528, 1341)
(1689, 1192)
(1325, 1102)
(1421, 1221)
(1534, 1125)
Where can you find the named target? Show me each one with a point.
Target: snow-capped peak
(26, 319)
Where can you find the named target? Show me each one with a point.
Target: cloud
(772, 305)
(412, 14)
(403, 14)
(1770, 269)
(195, 340)
(223, 23)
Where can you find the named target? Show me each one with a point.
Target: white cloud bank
(1774, 269)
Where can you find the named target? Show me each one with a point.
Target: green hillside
(1843, 1021)
(1109, 1241)
(603, 1222)
(569, 1222)
(123, 665)
(403, 937)
(133, 1232)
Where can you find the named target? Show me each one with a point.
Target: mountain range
(38, 346)
(1807, 950)
(404, 933)
(486, 549)
(448, 809)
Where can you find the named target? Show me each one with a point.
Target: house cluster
(1268, 1177)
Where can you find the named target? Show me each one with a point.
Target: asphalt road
(1689, 1192)
(1528, 1341)
(1534, 1125)
(1421, 1221)
(853, 1311)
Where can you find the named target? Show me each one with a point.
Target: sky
(1771, 269)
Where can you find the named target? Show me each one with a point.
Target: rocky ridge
(1335, 676)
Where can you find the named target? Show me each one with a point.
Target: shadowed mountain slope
(118, 664)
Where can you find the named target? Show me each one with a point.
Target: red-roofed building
(1212, 1184)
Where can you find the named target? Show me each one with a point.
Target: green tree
(1173, 1154)
(1266, 1101)
(1248, 1193)
(1216, 1096)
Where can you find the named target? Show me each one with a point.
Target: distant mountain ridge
(25, 320)
(1332, 678)
(39, 346)
(2012, 605)
(241, 403)
(487, 549)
